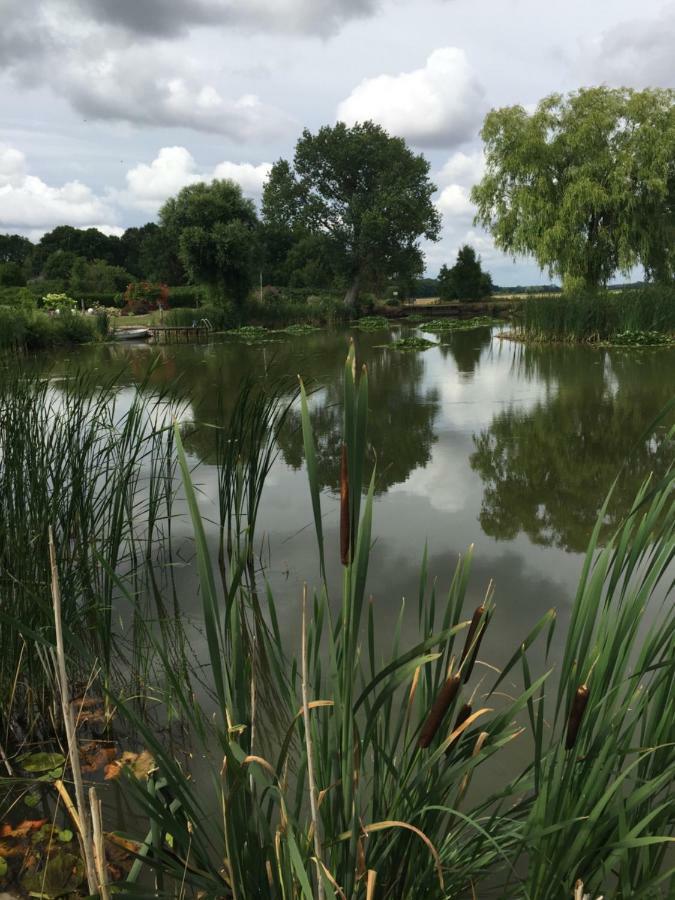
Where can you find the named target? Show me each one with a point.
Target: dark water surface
(480, 441)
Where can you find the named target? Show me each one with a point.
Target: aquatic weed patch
(371, 323)
(410, 344)
(299, 329)
(443, 325)
(640, 339)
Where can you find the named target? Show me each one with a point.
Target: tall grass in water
(599, 316)
(71, 458)
(367, 789)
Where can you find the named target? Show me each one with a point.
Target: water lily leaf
(63, 874)
(65, 836)
(42, 762)
(31, 799)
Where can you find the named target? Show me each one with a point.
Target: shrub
(12, 275)
(187, 296)
(58, 302)
(35, 330)
(17, 298)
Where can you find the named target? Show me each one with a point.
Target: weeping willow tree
(585, 184)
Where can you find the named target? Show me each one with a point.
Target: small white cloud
(441, 104)
(27, 203)
(466, 169)
(250, 178)
(12, 166)
(148, 186)
(454, 201)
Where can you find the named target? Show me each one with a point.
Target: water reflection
(546, 470)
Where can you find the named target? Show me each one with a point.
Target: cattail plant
(444, 700)
(576, 715)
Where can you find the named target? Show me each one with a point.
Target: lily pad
(62, 875)
(42, 762)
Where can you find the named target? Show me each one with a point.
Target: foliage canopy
(213, 225)
(366, 197)
(585, 183)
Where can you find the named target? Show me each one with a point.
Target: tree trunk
(352, 292)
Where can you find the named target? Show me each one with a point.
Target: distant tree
(15, 248)
(89, 243)
(12, 275)
(214, 227)
(367, 193)
(585, 184)
(59, 265)
(97, 277)
(466, 280)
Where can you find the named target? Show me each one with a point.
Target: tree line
(585, 185)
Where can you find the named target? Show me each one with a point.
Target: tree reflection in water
(546, 471)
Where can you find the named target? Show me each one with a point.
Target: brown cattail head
(440, 706)
(475, 636)
(576, 715)
(344, 508)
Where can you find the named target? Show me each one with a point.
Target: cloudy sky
(107, 107)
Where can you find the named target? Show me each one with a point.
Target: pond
(480, 440)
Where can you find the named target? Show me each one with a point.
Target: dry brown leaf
(22, 829)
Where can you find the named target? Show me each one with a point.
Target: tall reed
(599, 316)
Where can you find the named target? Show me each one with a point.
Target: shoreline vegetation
(642, 316)
(348, 765)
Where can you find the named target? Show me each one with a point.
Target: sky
(108, 107)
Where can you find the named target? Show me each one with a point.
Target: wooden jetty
(173, 334)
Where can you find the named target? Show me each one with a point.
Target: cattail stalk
(473, 638)
(345, 525)
(576, 715)
(440, 706)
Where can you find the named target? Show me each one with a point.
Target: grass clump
(598, 317)
(32, 330)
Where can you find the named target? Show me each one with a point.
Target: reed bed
(348, 768)
(598, 317)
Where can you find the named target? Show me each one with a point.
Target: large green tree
(585, 184)
(214, 228)
(366, 193)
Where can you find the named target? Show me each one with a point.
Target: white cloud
(250, 178)
(466, 169)
(454, 201)
(441, 104)
(27, 203)
(148, 186)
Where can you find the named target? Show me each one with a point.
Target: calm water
(479, 441)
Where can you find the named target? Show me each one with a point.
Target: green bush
(35, 330)
(188, 296)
